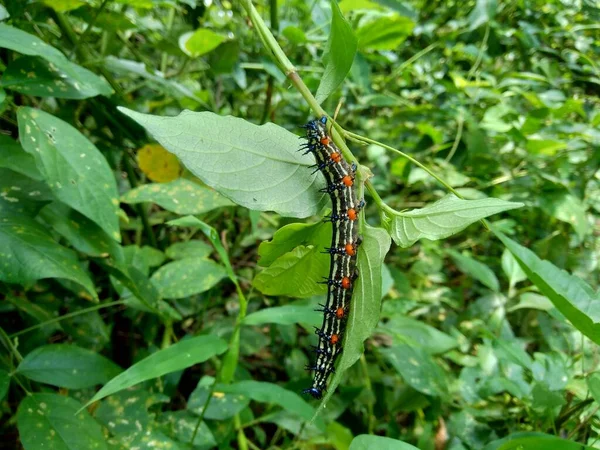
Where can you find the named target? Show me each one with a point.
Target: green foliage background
(151, 306)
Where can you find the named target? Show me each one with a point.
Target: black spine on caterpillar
(339, 176)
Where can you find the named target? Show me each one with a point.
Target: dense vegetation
(158, 268)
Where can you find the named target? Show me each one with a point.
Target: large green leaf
(483, 12)
(28, 253)
(4, 383)
(51, 421)
(179, 356)
(285, 315)
(290, 236)
(86, 82)
(340, 51)
(370, 442)
(67, 366)
(567, 208)
(75, 170)
(180, 196)
(200, 42)
(447, 216)
(572, 296)
(15, 158)
(384, 33)
(295, 274)
(415, 332)
(366, 301)
(20, 194)
(534, 441)
(258, 167)
(188, 276)
(189, 249)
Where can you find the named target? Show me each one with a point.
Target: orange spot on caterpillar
(350, 251)
(346, 283)
(334, 339)
(340, 313)
(336, 157)
(347, 180)
(352, 214)
(325, 140)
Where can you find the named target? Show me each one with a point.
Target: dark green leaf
(4, 383)
(477, 270)
(189, 249)
(67, 366)
(188, 276)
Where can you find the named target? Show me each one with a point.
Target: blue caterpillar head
(323, 120)
(315, 392)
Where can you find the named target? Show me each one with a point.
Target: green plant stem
(68, 316)
(90, 26)
(164, 59)
(9, 345)
(459, 131)
(371, 418)
(486, 36)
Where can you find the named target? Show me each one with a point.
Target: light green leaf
(533, 301)
(233, 156)
(446, 217)
(431, 340)
(271, 393)
(185, 277)
(340, 51)
(366, 301)
(418, 369)
(28, 253)
(75, 170)
(222, 406)
(28, 44)
(484, 11)
(572, 296)
(64, 5)
(290, 236)
(52, 421)
(67, 366)
(545, 146)
(180, 196)
(477, 270)
(295, 274)
(189, 249)
(384, 33)
(4, 383)
(200, 42)
(567, 208)
(512, 269)
(285, 315)
(178, 356)
(593, 382)
(370, 442)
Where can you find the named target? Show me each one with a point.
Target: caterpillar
(339, 177)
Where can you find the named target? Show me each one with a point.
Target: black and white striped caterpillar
(339, 176)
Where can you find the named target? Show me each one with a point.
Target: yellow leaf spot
(158, 164)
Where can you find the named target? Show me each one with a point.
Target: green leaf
(545, 146)
(290, 236)
(28, 253)
(512, 269)
(87, 82)
(189, 249)
(183, 425)
(370, 442)
(285, 315)
(572, 296)
(4, 383)
(81, 232)
(20, 194)
(366, 301)
(295, 274)
(417, 368)
(13, 157)
(178, 356)
(431, 340)
(180, 196)
(233, 156)
(73, 167)
(271, 393)
(67, 366)
(340, 51)
(567, 208)
(593, 382)
(484, 11)
(384, 33)
(446, 217)
(534, 441)
(222, 405)
(477, 270)
(32, 75)
(51, 421)
(185, 277)
(64, 5)
(533, 301)
(200, 42)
